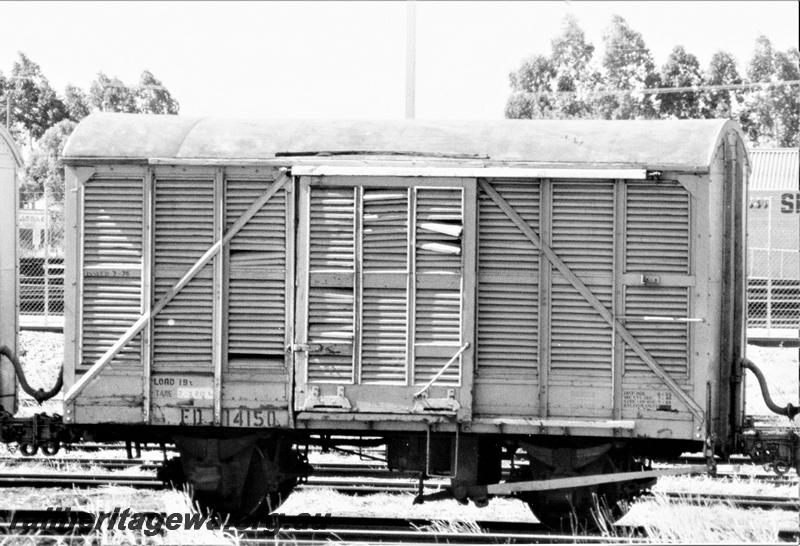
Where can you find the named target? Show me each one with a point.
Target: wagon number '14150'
(231, 417)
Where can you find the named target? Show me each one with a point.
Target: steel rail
(344, 469)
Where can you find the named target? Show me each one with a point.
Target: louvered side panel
(184, 222)
(507, 327)
(112, 222)
(581, 342)
(183, 232)
(110, 307)
(384, 305)
(331, 245)
(183, 330)
(383, 336)
(261, 243)
(583, 237)
(385, 230)
(508, 291)
(330, 329)
(438, 334)
(667, 342)
(256, 317)
(112, 260)
(657, 228)
(331, 299)
(502, 247)
(583, 227)
(256, 277)
(439, 228)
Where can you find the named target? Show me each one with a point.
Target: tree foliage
(682, 69)
(43, 168)
(153, 98)
(77, 103)
(529, 87)
(722, 70)
(111, 95)
(567, 72)
(627, 65)
(41, 120)
(771, 114)
(572, 81)
(149, 97)
(34, 104)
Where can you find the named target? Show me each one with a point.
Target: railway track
(364, 486)
(348, 466)
(322, 471)
(350, 469)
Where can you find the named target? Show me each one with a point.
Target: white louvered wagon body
(409, 280)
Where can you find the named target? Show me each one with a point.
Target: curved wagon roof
(683, 145)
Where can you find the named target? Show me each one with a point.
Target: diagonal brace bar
(444, 369)
(139, 325)
(623, 332)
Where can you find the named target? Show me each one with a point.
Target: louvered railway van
(570, 291)
(10, 162)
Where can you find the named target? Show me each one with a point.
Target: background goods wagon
(10, 161)
(773, 241)
(462, 291)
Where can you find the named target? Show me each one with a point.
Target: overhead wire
(662, 90)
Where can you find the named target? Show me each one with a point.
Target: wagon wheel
(585, 508)
(237, 487)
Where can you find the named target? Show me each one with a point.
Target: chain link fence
(773, 292)
(41, 260)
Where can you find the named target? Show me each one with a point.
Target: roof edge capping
(726, 127)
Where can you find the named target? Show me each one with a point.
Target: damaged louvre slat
(331, 299)
(256, 277)
(438, 309)
(384, 302)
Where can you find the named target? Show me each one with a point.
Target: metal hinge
(316, 400)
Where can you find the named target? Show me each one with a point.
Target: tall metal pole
(411, 47)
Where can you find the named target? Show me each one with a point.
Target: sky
(347, 60)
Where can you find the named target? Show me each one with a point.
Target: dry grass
(668, 520)
(737, 486)
(172, 502)
(401, 505)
